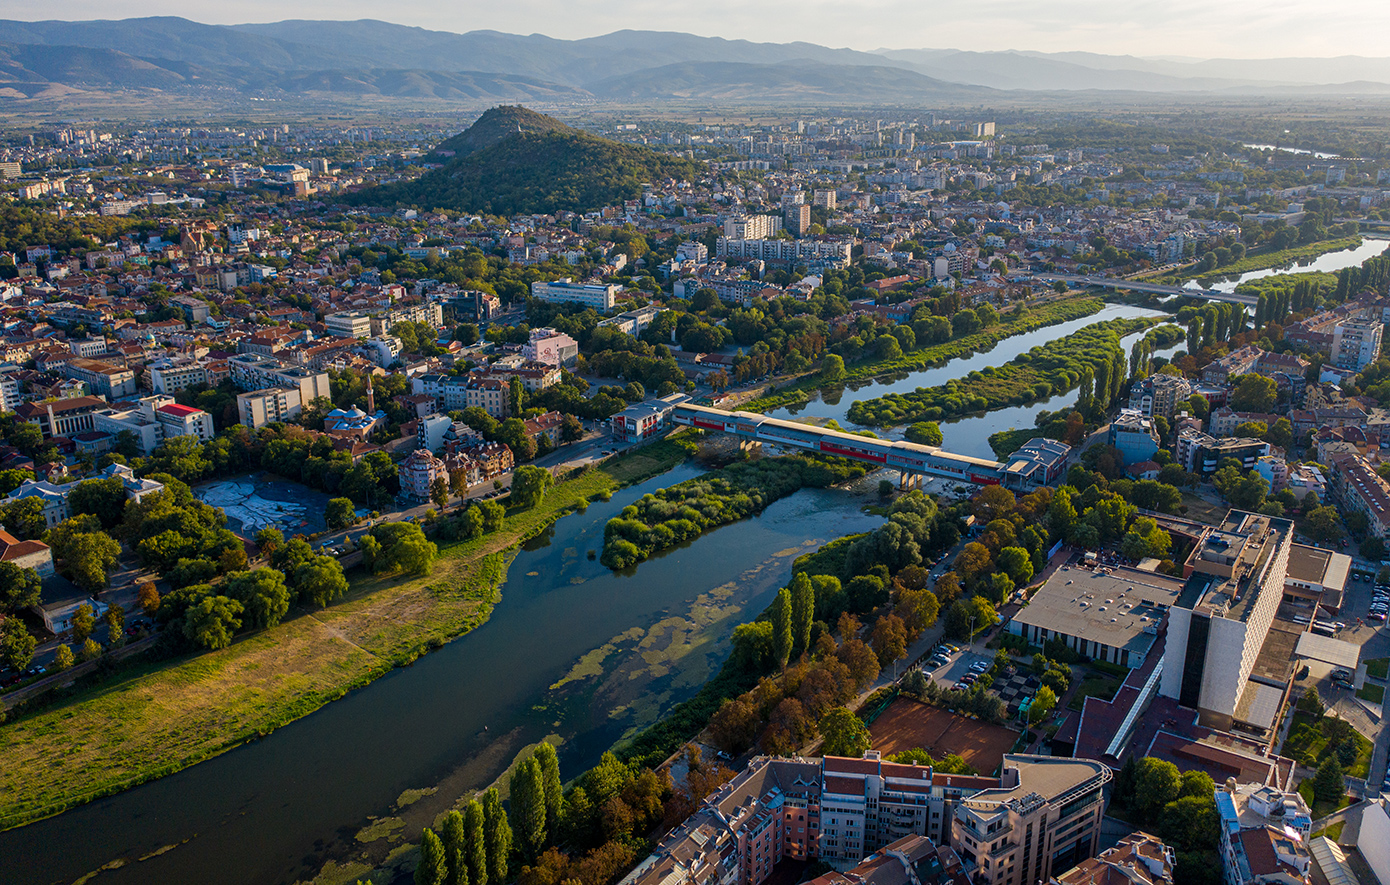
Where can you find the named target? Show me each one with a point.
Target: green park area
(1010, 323)
(152, 718)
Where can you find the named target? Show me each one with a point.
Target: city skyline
(1143, 29)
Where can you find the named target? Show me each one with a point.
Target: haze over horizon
(1145, 28)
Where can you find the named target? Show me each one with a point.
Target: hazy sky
(1200, 28)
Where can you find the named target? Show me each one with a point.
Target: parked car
(980, 666)
(1341, 677)
(1376, 616)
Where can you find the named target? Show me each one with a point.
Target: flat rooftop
(1048, 776)
(1235, 557)
(1118, 606)
(1313, 565)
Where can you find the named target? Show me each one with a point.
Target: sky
(1184, 28)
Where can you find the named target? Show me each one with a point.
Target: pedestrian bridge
(910, 459)
(1151, 288)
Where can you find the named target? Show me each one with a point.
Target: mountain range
(372, 58)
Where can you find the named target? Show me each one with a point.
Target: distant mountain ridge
(514, 160)
(374, 58)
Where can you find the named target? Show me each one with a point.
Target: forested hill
(515, 161)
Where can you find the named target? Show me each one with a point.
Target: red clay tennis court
(908, 723)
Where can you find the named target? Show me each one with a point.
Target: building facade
(596, 295)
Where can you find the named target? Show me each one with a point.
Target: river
(571, 649)
(1327, 262)
(969, 435)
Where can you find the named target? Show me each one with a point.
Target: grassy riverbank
(155, 718)
(1010, 324)
(1038, 374)
(1265, 260)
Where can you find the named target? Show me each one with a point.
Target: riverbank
(1035, 375)
(1266, 260)
(1009, 325)
(156, 718)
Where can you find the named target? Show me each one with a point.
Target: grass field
(1371, 692)
(1321, 809)
(908, 724)
(1378, 667)
(1307, 743)
(1096, 685)
(154, 719)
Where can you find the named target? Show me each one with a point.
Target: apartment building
(1356, 344)
(172, 376)
(1361, 489)
(1201, 453)
(912, 860)
(349, 324)
(63, 417)
(384, 349)
(431, 313)
(831, 252)
(492, 395)
(9, 393)
(535, 376)
(1045, 815)
(419, 471)
(845, 810)
(596, 295)
(1159, 395)
(1235, 581)
(105, 379)
(254, 372)
(1264, 834)
(753, 227)
(258, 408)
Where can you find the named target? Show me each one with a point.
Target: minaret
(371, 398)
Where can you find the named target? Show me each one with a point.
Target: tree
(262, 594)
(528, 807)
(889, 639)
(832, 368)
(551, 787)
(63, 658)
(451, 834)
(103, 498)
(571, 430)
(1043, 703)
(439, 491)
(433, 868)
(340, 513)
(181, 457)
(1329, 784)
(89, 559)
(115, 625)
(19, 587)
(782, 637)
(24, 518)
(91, 650)
(1191, 823)
(1321, 523)
(270, 539)
(320, 580)
(803, 613)
(16, 645)
(529, 485)
(927, 433)
(1157, 782)
(404, 548)
(1254, 393)
(499, 836)
(475, 843)
(1017, 563)
(844, 734)
(83, 622)
(213, 621)
(1280, 434)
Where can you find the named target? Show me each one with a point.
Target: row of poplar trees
(473, 847)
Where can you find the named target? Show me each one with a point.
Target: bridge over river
(1151, 288)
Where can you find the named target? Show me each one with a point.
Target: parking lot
(956, 669)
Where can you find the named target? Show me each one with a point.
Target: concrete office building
(258, 408)
(1105, 613)
(1217, 627)
(752, 227)
(349, 324)
(105, 379)
(598, 296)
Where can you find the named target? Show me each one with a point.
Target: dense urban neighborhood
(886, 496)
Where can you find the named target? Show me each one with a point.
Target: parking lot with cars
(952, 667)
